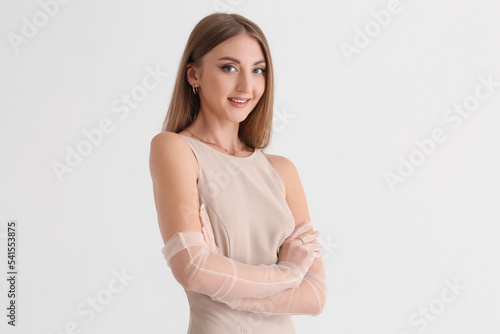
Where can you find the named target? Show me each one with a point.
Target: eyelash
(227, 66)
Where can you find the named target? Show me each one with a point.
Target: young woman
(234, 219)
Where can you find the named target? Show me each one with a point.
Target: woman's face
(233, 70)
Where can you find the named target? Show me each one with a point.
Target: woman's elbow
(318, 296)
(315, 308)
(188, 282)
(318, 309)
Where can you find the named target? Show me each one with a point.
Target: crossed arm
(290, 282)
(310, 296)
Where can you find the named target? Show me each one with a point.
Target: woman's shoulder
(169, 142)
(166, 137)
(279, 161)
(171, 147)
(283, 166)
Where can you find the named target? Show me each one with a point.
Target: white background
(344, 121)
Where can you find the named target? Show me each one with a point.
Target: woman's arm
(174, 177)
(310, 296)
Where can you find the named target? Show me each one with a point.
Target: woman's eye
(226, 67)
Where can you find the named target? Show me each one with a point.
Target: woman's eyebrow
(237, 61)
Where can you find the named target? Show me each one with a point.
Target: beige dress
(245, 201)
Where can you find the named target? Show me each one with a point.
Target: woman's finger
(314, 247)
(309, 236)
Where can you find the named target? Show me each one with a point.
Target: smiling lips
(238, 102)
(238, 99)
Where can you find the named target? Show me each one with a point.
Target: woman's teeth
(239, 101)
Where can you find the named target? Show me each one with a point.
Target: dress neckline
(224, 154)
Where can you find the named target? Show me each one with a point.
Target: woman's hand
(301, 247)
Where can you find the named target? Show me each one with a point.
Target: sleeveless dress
(245, 201)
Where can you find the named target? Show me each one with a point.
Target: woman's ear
(192, 75)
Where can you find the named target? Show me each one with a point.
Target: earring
(195, 90)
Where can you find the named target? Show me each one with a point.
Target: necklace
(232, 153)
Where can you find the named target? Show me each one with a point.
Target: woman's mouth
(238, 102)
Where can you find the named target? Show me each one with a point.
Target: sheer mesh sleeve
(199, 269)
(308, 298)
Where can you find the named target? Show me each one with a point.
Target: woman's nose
(244, 83)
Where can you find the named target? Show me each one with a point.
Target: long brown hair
(255, 130)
